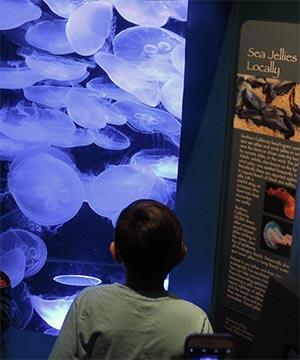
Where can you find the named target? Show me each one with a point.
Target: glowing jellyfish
(172, 96)
(46, 189)
(50, 36)
(177, 9)
(13, 264)
(160, 162)
(35, 124)
(52, 311)
(9, 148)
(81, 137)
(148, 13)
(64, 8)
(86, 34)
(110, 90)
(77, 280)
(56, 67)
(178, 58)
(15, 13)
(111, 139)
(17, 75)
(87, 109)
(47, 94)
(149, 49)
(118, 186)
(148, 120)
(128, 78)
(32, 246)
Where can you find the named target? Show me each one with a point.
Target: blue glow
(54, 31)
(89, 122)
(32, 246)
(86, 34)
(56, 192)
(52, 311)
(16, 13)
(77, 280)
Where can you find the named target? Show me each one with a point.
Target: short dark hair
(149, 238)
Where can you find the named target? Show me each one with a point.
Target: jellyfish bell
(77, 280)
(115, 188)
(88, 110)
(64, 8)
(15, 13)
(54, 34)
(55, 67)
(129, 78)
(32, 246)
(31, 123)
(9, 148)
(85, 33)
(17, 75)
(111, 139)
(148, 120)
(56, 192)
(171, 94)
(160, 161)
(149, 49)
(13, 264)
(53, 310)
(53, 96)
(148, 13)
(178, 58)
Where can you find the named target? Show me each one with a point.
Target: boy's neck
(145, 284)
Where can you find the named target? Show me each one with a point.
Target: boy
(137, 320)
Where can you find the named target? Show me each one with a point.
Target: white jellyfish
(128, 78)
(15, 13)
(50, 36)
(86, 34)
(111, 139)
(88, 110)
(171, 95)
(17, 75)
(56, 192)
(53, 96)
(148, 120)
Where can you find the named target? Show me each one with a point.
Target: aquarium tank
(90, 120)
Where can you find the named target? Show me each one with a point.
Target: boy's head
(148, 239)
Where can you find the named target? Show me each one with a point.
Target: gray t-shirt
(116, 322)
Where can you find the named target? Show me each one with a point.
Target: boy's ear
(114, 252)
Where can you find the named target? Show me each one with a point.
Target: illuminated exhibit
(90, 120)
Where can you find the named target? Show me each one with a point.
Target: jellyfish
(55, 67)
(56, 192)
(111, 139)
(50, 36)
(172, 95)
(128, 78)
(22, 309)
(53, 96)
(25, 123)
(148, 13)
(274, 236)
(9, 148)
(15, 13)
(88, 110)
(161, 163)
(52, 311)
(77, 280)
(148, 120)
(17, 75)
(177, 9)
(64, 8)
(110, 90)
(86, 34)
(81, 137)
(149, 49)
(13, 264)
(32, 246)
(116, 187)
(178, 58)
